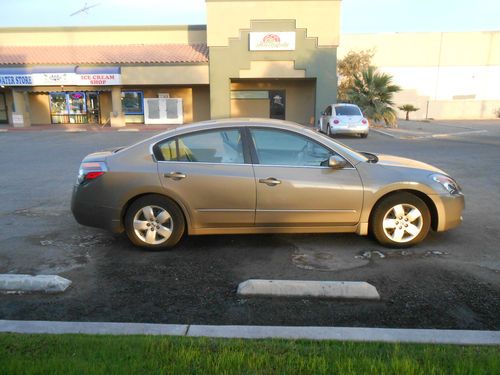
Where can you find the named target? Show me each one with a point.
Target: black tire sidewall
(165, 203)
(387, 203)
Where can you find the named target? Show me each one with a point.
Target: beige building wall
(201, 103)
(225, 18)
(450, 75)
(170, 74)
(39, 108)
(57, 36)
(300, 99)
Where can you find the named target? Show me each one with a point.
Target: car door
(325, 118)
(210, 174)
(296, 187)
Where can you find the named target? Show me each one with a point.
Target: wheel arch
(131, 200)
(424, 197)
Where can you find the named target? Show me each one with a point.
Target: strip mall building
(258, 58)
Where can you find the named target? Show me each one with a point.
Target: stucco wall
(225, 18)
(39, 109)
(447, 75)
(300, 99)
(56, 36)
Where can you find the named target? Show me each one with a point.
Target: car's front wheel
(154, 222)
(401, 220)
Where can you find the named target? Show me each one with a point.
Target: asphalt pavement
(452, 280)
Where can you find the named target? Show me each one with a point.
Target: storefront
(267, 59)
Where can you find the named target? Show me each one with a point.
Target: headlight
(448, 183)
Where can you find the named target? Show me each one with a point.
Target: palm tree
(373, 92)
(408, 108)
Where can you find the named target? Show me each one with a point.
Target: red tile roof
(104, 54)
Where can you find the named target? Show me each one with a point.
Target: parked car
(343, 118)
(260, 176)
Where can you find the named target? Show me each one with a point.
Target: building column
(21, 109)
(117, 118)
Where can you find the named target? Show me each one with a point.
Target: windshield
(347, 110)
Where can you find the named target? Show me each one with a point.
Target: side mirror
(323, 113)
(337, 162)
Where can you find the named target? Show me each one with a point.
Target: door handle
(175, 175)
(270, 181)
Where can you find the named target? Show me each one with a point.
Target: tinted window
(275, 147)
(346, 110)
(221, 146)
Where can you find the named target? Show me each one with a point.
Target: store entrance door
(3, 109)
(277, 104)
(93, 113)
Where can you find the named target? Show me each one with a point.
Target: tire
(363, 135)
(396, 224)
(154, 222)
(328, 131)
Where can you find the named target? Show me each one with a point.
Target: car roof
(345, 104)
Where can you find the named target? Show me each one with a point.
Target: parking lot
(452, 280)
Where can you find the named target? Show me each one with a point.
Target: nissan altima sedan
(260, 176)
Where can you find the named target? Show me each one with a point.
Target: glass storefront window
(58, 103)
(76, 103)
(132, 102)
(68, 108)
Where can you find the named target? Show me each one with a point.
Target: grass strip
(103, 354)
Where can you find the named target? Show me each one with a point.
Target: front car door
(296, 187)
(210, 173)
(325, 118)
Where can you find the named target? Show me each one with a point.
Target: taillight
(335, 121)
(364, 121)
(91, 170)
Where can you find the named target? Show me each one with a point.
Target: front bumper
(93, 214)
(450, 208)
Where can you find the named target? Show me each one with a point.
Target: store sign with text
(58, 79)
(272, 41)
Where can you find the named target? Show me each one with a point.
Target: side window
(275, 147)
(220, 146)
(329, 110)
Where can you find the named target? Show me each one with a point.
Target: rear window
(347, 110)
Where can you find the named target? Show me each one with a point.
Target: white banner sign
(272, 41)
(51, 79)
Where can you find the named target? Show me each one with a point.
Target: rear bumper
(450, 208)
(340, 129)
(94, 214)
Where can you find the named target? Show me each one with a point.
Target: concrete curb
(422, 336)
(28, 283)
(429, 136)
(306, 288)
(92, 328)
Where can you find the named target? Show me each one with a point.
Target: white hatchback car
(343, 118)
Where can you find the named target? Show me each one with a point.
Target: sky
(357, 16)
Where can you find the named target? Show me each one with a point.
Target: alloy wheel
(402, 223)
(153, 225)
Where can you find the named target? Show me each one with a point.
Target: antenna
(85, 9)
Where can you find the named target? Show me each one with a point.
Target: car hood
(396, 161)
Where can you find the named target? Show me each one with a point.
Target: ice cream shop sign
(60, 76)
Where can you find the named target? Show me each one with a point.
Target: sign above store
(272, 41)
(52, 77)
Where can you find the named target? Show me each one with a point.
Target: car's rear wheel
(363, 135)
(401, 220)
(154, 222)
(328, 131)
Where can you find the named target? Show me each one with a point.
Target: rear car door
(295, 186)
(210, 173)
